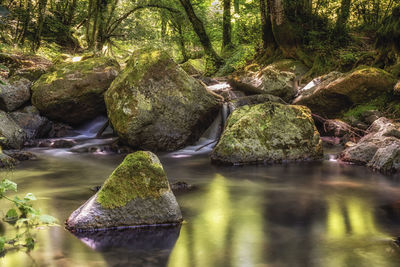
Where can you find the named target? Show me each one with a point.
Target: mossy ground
(139, 175)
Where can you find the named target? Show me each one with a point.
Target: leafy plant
(23, 217)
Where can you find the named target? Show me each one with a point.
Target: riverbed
(300, 214)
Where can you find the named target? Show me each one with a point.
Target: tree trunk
(213, 61)
(343, 16)
(227, 26)
(236, 6)
(266, 25)
(39, 28)
(285, 35)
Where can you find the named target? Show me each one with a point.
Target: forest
(199, 133)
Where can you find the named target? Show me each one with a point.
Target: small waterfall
(90, 129)
(209, 139)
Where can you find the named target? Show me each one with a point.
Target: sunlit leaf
(2, 243)
(47, 219)
(30, 243)
(30, 196)
(7, 185)
(11, 215)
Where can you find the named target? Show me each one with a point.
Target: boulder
(154, 104)
(397, 88)
(269, 80)
(379, 150)
(340, 92)
(12, 136)
(14, 93)
(136, 194)
(33, 124)
(74, 92)
(268, 133)
(7, 161)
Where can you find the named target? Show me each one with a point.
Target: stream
(300, 214)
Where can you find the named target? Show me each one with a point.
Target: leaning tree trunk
(213, 61)
(227, 26)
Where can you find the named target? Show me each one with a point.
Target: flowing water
(309, 214)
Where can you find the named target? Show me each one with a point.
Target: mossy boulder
(335, 96)
(269, 80)
(14, 93)
(154, 104)
(268, 133)
(74, 92)
(12, 136)
(137, 193)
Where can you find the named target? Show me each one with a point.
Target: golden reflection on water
(226, 231)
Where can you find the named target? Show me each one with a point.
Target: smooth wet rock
(136, 194)
(342, 91)
(154, 104)
(268, 133)
(12, 136)
(379, 150)
(74, 92)
(34, 125)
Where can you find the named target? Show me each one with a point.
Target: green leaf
(11, 215)
(2, 243)
(29, 243)
(30, 196)
(6, 185)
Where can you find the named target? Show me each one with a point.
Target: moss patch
(139, 175)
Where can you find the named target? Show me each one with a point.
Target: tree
(39, 27)
(343, 16)
(266, 25)
(212, 58)
(227, 26)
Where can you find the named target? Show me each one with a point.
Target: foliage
(23, 217)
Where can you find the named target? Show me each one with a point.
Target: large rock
(269, 80)
(33, 124)
(14, 93)
(379, 150)
(154, 104)
(268, 133)
(74, 92)
(340, 92)
(136, 194)
(11, 134)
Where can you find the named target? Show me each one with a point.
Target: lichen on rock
(268, 133)
(137, 193)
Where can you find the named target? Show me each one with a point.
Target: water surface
(309, 214)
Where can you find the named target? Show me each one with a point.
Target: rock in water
(74, 92)
(154, 104)
(12, 136)
(14, 93)
(136, 194)
(267, 133)
(340, 92)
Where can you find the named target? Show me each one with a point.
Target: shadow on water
(133, 247)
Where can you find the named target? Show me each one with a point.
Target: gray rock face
(379, 150)
(34, 125)
(14, 93)
(13, 136)
(136, 194)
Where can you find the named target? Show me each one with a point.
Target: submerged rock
(20, 155)
(154, 104)
(136, 194)
(74, 92)
(7, 161)
(267, 133)
(339, 92)
(14, 93)
(12, 135)
(379, 150)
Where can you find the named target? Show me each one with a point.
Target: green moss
(140, 175)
